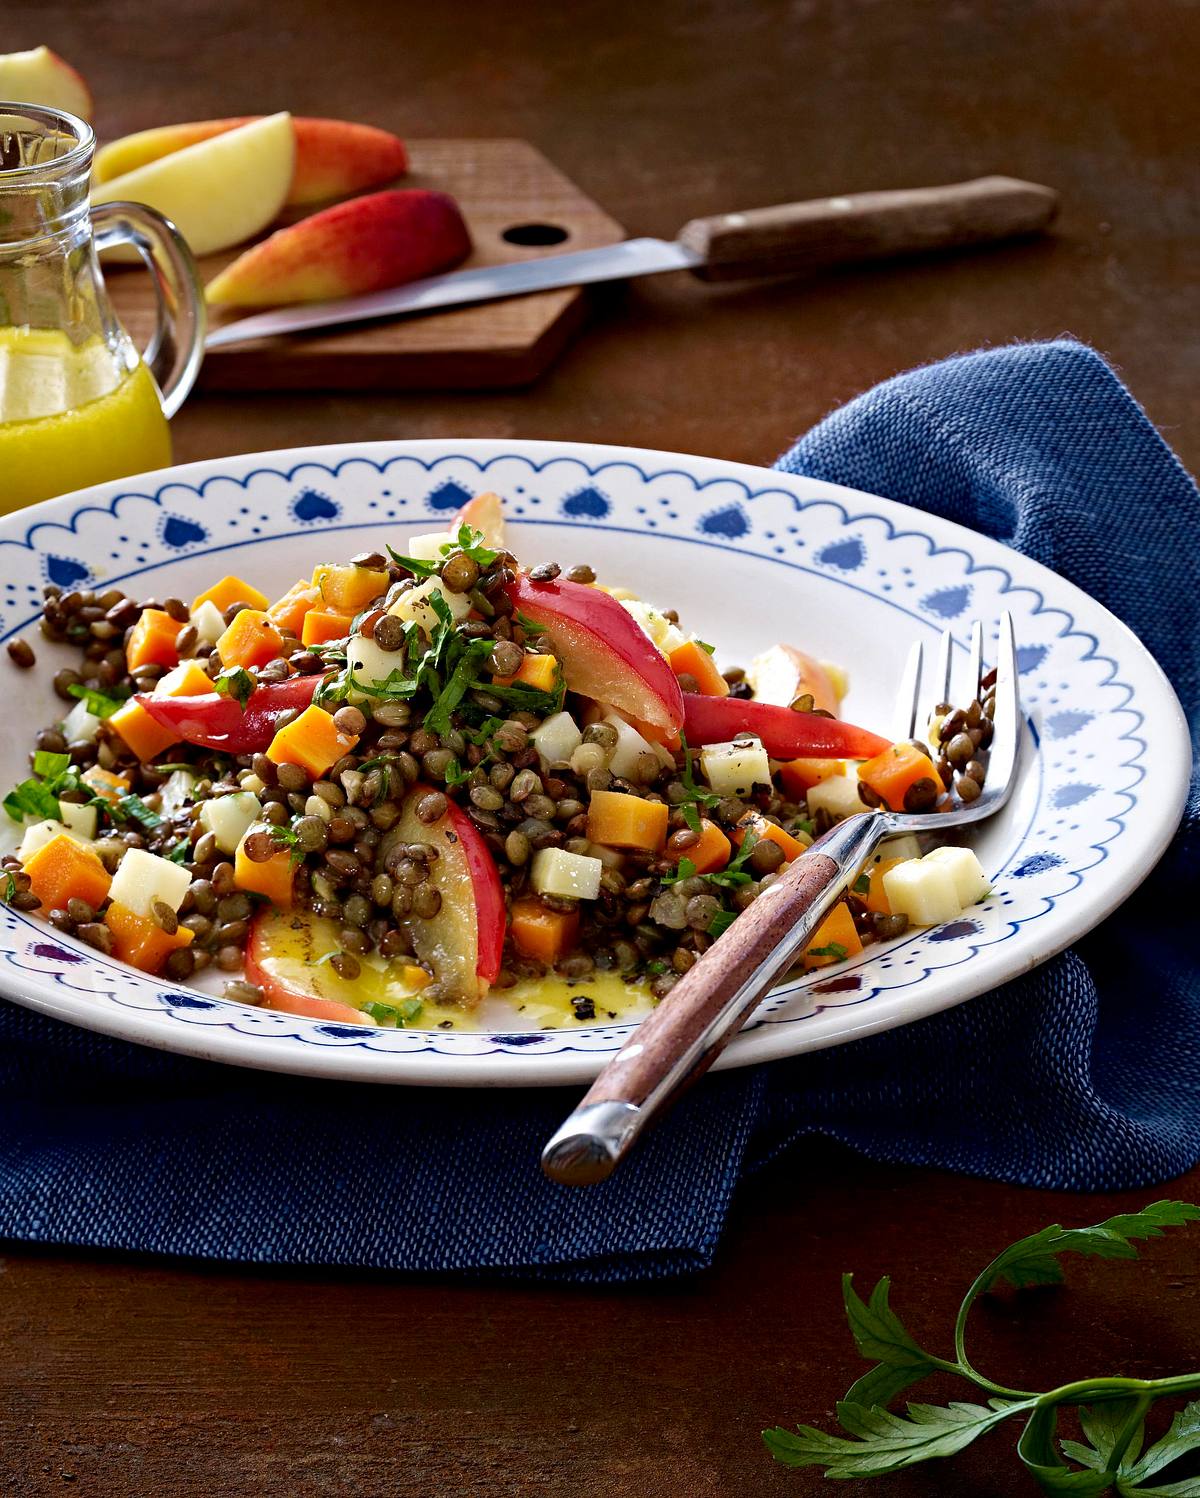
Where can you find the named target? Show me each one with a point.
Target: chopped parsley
(236, 682)
(49, 765)
(99, 704)
(862, 885)
(10, 887)
(32, 798)
(403, 1013)
(179, 851)
(721, 922)
(695, 796)
(136, 810)
(834, 950)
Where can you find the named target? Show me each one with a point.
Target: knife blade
(783, 240)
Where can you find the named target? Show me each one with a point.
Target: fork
(681, 1039)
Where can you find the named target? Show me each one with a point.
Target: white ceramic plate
(749, 557)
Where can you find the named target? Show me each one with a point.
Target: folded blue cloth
(1084, 1074)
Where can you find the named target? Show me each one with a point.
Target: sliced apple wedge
(782, 733)
(783, 673)
(605, 653)
(464, 941)
(334, 158)
(40, 76)
(485, 514)
(218, 192)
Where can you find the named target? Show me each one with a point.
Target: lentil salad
(419, 777)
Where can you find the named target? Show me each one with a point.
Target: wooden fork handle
(826, 232)
(708, 1006)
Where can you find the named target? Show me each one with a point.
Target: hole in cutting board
(535, 234)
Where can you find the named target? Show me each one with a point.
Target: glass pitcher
(78, 403)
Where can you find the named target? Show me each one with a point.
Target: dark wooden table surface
(125, 1377)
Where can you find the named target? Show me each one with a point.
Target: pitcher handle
(175, 352)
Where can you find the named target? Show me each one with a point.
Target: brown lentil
(20, 652)
(164, 917)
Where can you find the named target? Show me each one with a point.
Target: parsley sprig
(468, 543)
(1112, 1411)
(696, 797)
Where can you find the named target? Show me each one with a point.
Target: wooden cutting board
(505, 187)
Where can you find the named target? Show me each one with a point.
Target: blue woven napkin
(1084, 1074)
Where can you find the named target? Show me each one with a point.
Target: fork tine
(976, 655)
(945, 663)
(908, 698)
(1006, 740)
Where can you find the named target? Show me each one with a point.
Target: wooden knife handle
(829, 232)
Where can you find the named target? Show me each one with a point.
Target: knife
(785, 240)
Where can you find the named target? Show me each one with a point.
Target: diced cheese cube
(415, 605)
(80, 821)
(79, 726)
(228, 818)
(210, 625)
(428, 548)
(570, 875)
(38, 834)
(923, 891)
(970, 882)
(838, 795)
(904, 846)
(142, 878)
(734, 769)
(626, 758)
(370, 664)
(557, 738)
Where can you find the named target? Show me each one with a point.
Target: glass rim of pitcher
(77, 155)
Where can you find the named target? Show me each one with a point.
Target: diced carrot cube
(876, 896)
(834, 939)
(769, 832)
(547, 935)
(142, 942)
(228, 591)
(346, 590)
(710, 853)
(623, 821)
(313, 741)
(288, 612)
(798, 776)
(319, 626)
(691, 659)
(892, 774)
(63, 869)
(152, 640)
(540, 671)
(144, 734)
(105, 784)
(272, 878)
(251, 640)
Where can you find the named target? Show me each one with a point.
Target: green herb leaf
(31, 798)
(469, 543)
(413, 564)
(180, 851)
(137, 811)
(1182, 1438)
(455, 774)
(460, 681)
(691, 816)
(1037, 1450)
(884, 1442)
(10, 887)
(236, 682)
(1034, 1260)
(405, 1012)
(862, 885)
(706, 647)
(880, 1337)
(834, 950)
(721, 922)
(49, 765)
(99, 704)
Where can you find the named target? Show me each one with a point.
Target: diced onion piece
(142, 878)
(970, 882)
(734, 769)
(573, 876)
(210, 625)
(838, 796)
(79, 726)
(923, 891)
(631, 746)
(557, 738)
(79, 821)
(428, 548)
(229, 818)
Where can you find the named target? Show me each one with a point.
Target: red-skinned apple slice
(281, 958)
(784, 734)
(605, 653)
(464, 941)
(485, 514)
(216, 722)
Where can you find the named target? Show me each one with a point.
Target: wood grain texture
(803, 238)
(129, 1379)
(500, 185)
(703, 992)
